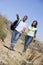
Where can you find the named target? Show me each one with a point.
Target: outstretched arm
(17, 16)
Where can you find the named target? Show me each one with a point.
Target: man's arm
(17, 16)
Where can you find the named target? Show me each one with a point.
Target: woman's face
(34, 23)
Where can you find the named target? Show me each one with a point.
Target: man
(18, 31)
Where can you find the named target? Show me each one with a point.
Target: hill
(4, 27)
(33, 55)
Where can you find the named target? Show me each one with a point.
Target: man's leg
(17, 34)
(13, 39)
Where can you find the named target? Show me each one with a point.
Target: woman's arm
(35, 34)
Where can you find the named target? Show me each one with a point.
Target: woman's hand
(24, 30)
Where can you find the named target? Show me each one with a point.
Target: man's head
(25, 18)
(17, 15)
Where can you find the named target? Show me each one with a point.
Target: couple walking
(19, 27)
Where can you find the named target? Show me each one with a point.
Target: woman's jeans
(15, 37)
(28, 40)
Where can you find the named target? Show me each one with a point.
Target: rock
(38, 61)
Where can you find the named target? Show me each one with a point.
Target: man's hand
(24, 30)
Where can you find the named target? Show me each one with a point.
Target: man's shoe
(12, 49)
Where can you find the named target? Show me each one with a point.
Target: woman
(30, 34)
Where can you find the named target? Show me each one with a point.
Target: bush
(3, 35)
(4, 27)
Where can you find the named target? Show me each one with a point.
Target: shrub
(3, 35)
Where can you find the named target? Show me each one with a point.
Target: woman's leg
(28, 40)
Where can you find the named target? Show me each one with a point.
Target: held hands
(24, 30)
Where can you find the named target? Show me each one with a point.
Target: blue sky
(32, 8)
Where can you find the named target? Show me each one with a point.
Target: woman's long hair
(36, 23)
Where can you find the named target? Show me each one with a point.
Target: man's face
(25, 18)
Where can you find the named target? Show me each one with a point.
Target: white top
(31, 31)
(20, 26)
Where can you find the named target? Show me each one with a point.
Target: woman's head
(34, 24)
